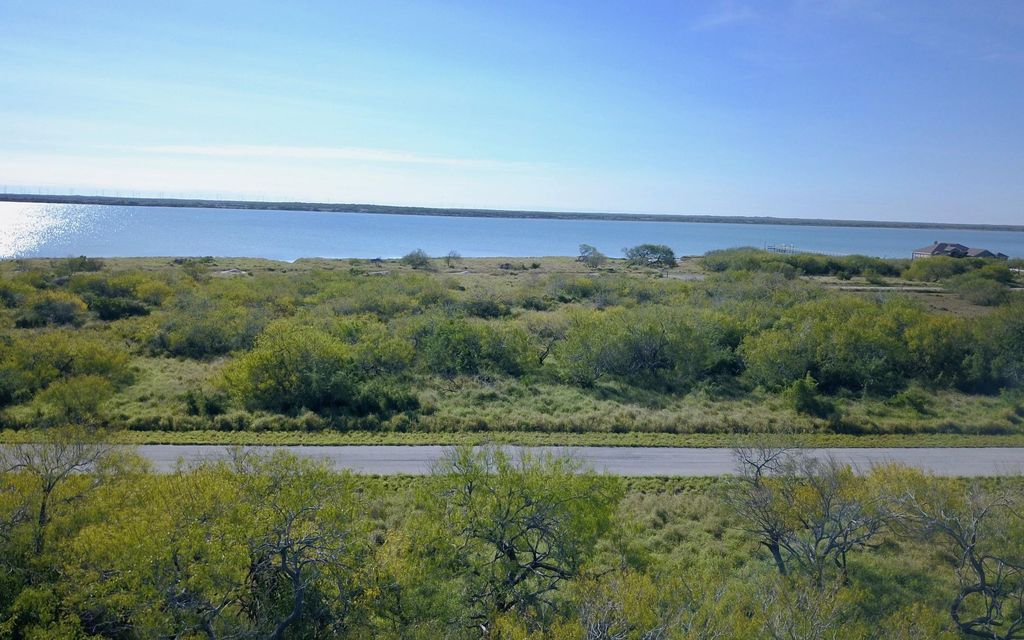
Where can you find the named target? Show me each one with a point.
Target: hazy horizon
(803, 109)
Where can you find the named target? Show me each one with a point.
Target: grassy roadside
(634, 439)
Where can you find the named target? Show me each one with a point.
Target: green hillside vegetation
(496, 547)
(738, 341)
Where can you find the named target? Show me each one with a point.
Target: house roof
(956, 249)
(942, 247)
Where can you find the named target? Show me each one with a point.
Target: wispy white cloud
(346, 154)
(725, 14)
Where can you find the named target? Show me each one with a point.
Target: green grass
(634, 439)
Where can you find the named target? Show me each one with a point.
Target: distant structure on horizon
(955, 250)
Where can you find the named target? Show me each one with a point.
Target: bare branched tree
(50, 464)
(806, 511)
(756, 503)
(301, 555)
(522, 527)
(982, 532)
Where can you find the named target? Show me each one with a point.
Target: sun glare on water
(25, 227)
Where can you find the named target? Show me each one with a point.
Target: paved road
(625, 461)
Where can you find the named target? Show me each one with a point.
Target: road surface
(624, 461)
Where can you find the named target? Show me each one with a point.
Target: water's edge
(325, 207)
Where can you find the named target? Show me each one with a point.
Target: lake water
(45, 230)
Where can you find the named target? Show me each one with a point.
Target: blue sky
(847, 109)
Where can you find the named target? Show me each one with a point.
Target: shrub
(74, 265)
(293, 368)
(803, 396)
(13, 294)
(939, 348)
(417, 259)
(200, 327)
(999, 358)
(506, 349)
(587, 351)
(52, 307)
(153, 292)
(843, 342)
(844, 267)
(76, 399)
(590, 256)
(375, 351)
(913, 398)
(448, 346)
(978, 288)
(199, 402)
(31, 364)
(384, 397)
(195, 269)
(117, 308)
(939, 268)
(875, 278)
(485, 308)
(98, 284)
(657, 346)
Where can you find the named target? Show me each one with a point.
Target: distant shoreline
(484, 213)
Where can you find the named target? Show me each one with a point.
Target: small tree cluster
(590, 256)
(651, 255)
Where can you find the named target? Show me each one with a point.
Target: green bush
(979, 287)
(506, 349)
(106, 285)
(292, 368)
(998, 360)
(375, 351)
(417, 259)
(750, 259)
(875, 278)
(803, 396)
(76, 399)
(32, 363)
(843, 342)
(651, 255)
(448, 346)
(200, 327)
(117, 308)
(939, 349)
(590, 256)
(13, 294)
(199, 402)
(383, 396)
(657, 346)
(944, 267)
(68, 266)
(52, 307)
(485, 308)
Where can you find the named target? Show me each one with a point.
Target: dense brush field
(738, 341)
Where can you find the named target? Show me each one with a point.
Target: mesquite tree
(809, 513)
